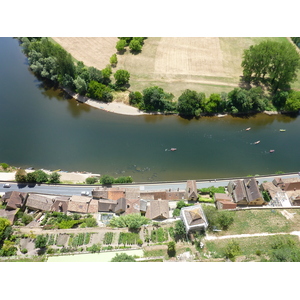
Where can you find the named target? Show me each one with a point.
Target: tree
(4, 223)
(171, 249)
(135, 45)
(190, 103)
(232, 250)
(80, 84)
(132, 221)
(214, 104)
(99, 91)
(225, 219)
(123, 257)
(106, 179)
(26, 219)
(21, 175)
(292, 103)
(94, 248)
(179, 230)
(30, 177)
(54, 177)
(106, 72)
(40, 176)
(135, 98)
(40, 241)
(277, 60)
(122, 77)
(155, 99)
(4, 166)
(113, 59)
(120, 45)
(91, 180)
(95, 74)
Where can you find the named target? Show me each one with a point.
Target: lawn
(249, 246)
(258, 221)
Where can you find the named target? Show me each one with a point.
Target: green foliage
(80, 85)
(108, 237)
(90, 222)
(191, 103)
(171, 249)
(106, 180)
(66, 224)
(40, 241)
(40, 176)
(232, 250)
(135, 45)
(135, 98)
(87, 238)
(266, 196)
(212, 190)
(225, 219)
(8, 249)
(123, 257)
(106, 73)
(99, 91)
(26, 219)
(4, 166)
(123, 179)
(120, 45)
(271, 62)
(4, 224)
(159, 235)
(24, 250)
(155, 99)
(176, 212)
(133, 221)
(284, 249)
(54, 177)
(122, 77)
(128, 238)
(91, 180)
(179, 230)
(20, 175)
(113, 59)
(292, 103)
(94, 248)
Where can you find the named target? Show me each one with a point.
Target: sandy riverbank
(69, 177)
(114, 107)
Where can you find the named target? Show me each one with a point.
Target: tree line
(50, 61)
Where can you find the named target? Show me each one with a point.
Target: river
(42, 128)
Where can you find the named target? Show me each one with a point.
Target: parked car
(6, 185)
(85, 193)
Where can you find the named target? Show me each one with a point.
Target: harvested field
(204, 64)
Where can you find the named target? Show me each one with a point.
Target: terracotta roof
(39, 202)
(193, 217)
(16, 200)
(291, 186)
(132, 206)
(79, 204)
(105, 205)
(121, 206)
(158, 209)
(175, 195)
(222, 196)
(191, 190)
(60, 204)
(225, 204)
(93, 206)
(100, 193)
(132, 193)
(115, 194)
(252, 189)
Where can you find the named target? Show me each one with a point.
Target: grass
(157, 252)
(258, 221)
(249, 246)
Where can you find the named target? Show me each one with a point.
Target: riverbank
(65, 177)
(116, 107)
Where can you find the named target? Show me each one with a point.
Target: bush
(54, 177)
(24, 250)
(106, 180)
(94, 248)
(133, 221)
(26, 219)
(171, 249)
(91, 180)
(20, 175)
(4, 166)
(123, 257)
(232, 250)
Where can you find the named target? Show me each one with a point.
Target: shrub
(4, 166)
(232, 250)
(24, 250)
(171, 249)
(133, 221)
(20, 175)
(139, 242)
(123, 257)
(106, 180)
(26, 219)
(54, 177)
(91, 180)
(94, 248)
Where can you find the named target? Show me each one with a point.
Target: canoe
(257, 142)
(282, 130)
(248, 128)
(173, 149)
(271, 151)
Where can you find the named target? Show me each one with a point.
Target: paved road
(77, 189)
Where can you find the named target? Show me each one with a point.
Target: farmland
(207, 64)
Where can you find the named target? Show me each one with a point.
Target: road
(70, 190)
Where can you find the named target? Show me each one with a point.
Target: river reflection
(44, 128)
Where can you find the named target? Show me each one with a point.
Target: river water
(42, 128)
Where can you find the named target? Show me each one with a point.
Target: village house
(191, 192)
(121, 206)
(79, 204)
(224, 201)
(193, 218)
(245, 192)
(39, 202)
(14, 200)
(158, 210)
(132, 206)
(60, 204)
